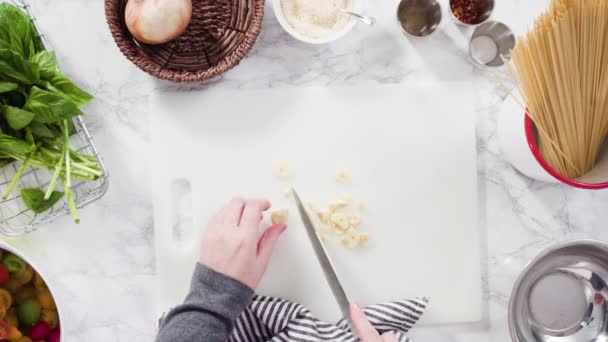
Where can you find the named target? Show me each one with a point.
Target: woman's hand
(232, 244)
(365, 329)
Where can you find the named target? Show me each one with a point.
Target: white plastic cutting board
(411, 155)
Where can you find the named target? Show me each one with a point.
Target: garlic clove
(279, 216)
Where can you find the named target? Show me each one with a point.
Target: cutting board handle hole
(182, 221)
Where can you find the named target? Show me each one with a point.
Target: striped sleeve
(277, 320)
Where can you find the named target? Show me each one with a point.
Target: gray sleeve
(208, 314)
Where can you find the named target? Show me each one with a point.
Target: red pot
(596, 179)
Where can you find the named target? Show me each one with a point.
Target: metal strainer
(561, 295)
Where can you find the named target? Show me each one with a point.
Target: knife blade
(326, 265)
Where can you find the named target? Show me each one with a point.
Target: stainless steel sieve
(561, 295)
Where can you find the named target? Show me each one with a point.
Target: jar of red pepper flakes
(471, 12)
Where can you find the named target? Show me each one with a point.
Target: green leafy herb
(34, 199)
(42, 131)
(50, 107)
(15, 68)
(12, 145)
(5, 87)
(17, 118)
(37, 105)
(64, 87)
(17, 32)
(47, 61)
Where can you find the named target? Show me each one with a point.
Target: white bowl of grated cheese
(316, 21)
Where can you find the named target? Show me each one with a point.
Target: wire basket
(219, 35)
(15, 218)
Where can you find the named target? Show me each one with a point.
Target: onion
(157, 21)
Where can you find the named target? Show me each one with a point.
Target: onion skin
(157, 21)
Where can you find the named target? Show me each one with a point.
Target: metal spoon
(362, 18)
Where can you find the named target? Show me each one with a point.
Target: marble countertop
(104, 268)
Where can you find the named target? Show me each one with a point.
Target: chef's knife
(324, 260)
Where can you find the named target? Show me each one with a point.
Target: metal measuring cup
(486, 7)
(419, 18)
(489, 42)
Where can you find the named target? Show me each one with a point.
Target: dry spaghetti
(561, 68)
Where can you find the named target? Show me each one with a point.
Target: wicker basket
(220, 34)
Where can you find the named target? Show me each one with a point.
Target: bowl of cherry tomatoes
(28, 311)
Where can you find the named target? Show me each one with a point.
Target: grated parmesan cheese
(316, 18)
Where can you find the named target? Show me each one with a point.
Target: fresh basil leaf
(17, 118)
(47, 62)
(72, 128)
(4, 43)
(13, 145)
(17, 32)
(31, 49)
(14, 67)
(50, 107)
(34, 199)
(42, 131)
(62, 85)
(29, 137)
(5, 87)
